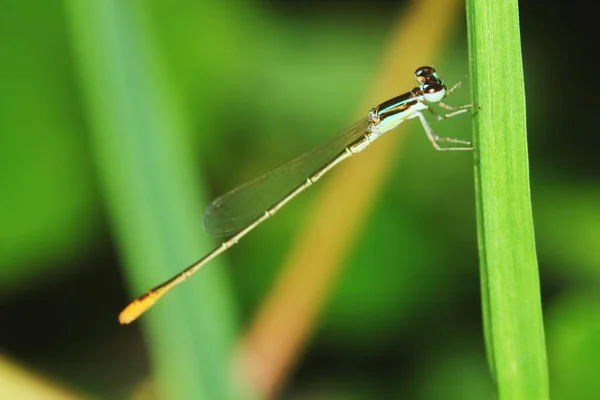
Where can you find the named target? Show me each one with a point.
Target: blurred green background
(224, 91)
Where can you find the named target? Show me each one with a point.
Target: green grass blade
(509, 272)
(152, 195)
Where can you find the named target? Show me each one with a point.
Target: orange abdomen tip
(138, 307)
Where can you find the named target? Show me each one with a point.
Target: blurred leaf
(17, 382)
(153, 196)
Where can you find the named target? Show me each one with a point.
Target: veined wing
(238, 208)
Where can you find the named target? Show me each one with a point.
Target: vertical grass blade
(509, 272)
(152, 195)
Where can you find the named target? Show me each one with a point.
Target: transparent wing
(239, 207)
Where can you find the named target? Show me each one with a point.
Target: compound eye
(424, 74)
(433, 92)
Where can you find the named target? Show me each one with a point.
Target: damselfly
(242, 209)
